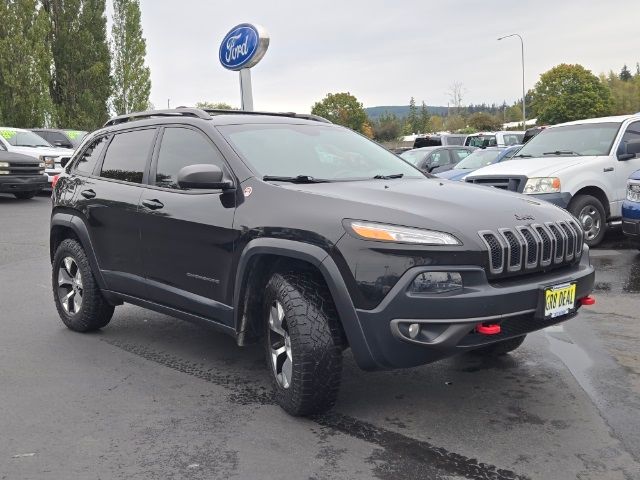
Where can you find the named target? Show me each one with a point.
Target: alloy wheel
(280, 345)
(70, 287)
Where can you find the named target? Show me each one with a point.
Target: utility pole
(524, 113)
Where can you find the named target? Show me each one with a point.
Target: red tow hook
(588, 300)
(488, 328)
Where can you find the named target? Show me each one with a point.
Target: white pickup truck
(582, 166)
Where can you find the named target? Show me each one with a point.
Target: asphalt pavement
(152, 397)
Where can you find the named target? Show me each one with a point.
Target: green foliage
(625, 93)
(570, 92)
(484, 121)
(81, 84)
(387, 128)
(215, 106)
(425, 124)
(25, 61)
(413, 120)
(343, 109)
(625, 74)
(453, 123)
(131, 77)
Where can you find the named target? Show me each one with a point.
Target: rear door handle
(609, 169)
(153, 204)
(88, 193)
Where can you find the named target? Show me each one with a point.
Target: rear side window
(460, 154)
(87, 161)
(181, 147)
(127, 155)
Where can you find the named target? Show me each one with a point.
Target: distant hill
(401, 111)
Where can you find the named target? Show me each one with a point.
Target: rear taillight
(54, 180)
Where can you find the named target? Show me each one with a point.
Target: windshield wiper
(388, 177)
(296, 179)
(523, 156)
(562, 152)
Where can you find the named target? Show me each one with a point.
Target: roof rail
(304, 116)
(176, 112)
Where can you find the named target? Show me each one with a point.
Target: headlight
(542, 185)
(49, 162)
(41, 165)
(633, 191)
(392, 233)
(4, 164)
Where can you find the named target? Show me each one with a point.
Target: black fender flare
(77, 225)
(319, 258)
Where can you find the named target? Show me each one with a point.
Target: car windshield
(76, 136)
(316, 151)
(19, 138)
(576, 140)
(414, 156)
(482, 141)
(478, 159)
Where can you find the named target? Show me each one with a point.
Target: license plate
(559, 300)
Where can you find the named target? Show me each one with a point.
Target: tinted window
(460, 154)
(438, 158)
(127, 155)
(182, 147)
(482, 141)
(87, 161)
(513, 138)
(632, 133)
(55, 137)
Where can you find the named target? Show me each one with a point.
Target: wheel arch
(598, 193)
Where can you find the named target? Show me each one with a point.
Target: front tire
(500, 348)
(24, 195)
(592, 217)
(78, 299)
(302, 342)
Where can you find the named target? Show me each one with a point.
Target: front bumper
(561, 199)
(448, 320)
(12, 183)
(631, 219)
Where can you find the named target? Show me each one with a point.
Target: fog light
(414, 330)
(436, 282)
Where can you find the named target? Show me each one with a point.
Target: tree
(215, 106)
(484, 121)
(131, 77)
(570, 92)
(625, 74)
(425, 123)
(413, 121)
(387, 128)
(454, 123)
(343, 109)
(455, 96)
(625, 94)
(25, 61)
(81, 84)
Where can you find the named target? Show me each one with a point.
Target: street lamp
(524, 114)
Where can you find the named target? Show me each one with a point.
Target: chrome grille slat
(526, 248)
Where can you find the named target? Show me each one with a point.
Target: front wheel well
(597, 193)
(58, 234)
(258, 272)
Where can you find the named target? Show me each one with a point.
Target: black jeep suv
(308, 237)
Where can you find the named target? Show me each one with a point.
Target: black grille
(524, 249)
(25, 168)
(513, 184)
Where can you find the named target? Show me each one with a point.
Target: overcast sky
(383, 52)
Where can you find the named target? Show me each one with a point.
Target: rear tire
(591, 216)
(78, 299)
(302, 343)
(24, 195)
(500, 348)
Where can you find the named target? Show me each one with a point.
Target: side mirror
(629, 150)
(203, 176)
(65, 161)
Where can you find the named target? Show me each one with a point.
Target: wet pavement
(153, 397)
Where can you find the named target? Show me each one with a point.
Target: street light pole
(524, 113)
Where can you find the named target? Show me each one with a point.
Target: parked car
(21, 175)
(532, 132)
(495, 139)
(439, 140)
(236, 221)
(60, 137)
(582, 166)
(631, 209)
(478, 159)
(19, 140)
(429, 158)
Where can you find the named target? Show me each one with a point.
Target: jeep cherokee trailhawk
(307, 237)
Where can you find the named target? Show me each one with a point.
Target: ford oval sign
(243, 47)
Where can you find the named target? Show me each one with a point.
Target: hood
(454, 174)
(532, 167)
(635, 176)
(454, 207)
(39, 151)
(15, 157)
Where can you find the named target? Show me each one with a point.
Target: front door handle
(608, 169)
(153, 204)
(88, 193)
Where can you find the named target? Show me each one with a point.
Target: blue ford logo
(243, 47)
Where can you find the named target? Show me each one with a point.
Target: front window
(482, 141)
(572, 140)
(478, 159)
(19, 138)
(414, 157)
(318, 151)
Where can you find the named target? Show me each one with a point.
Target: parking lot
(154, 397)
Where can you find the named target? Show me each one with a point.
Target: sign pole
(246, 92)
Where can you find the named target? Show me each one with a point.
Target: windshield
(481, 141)
(318, 151)
(478, 159)
(414, 156)
(19, 138)
(76, 136)
(582, 140)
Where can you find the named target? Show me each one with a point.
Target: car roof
(13, 129)
(613, 119)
